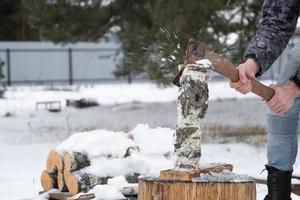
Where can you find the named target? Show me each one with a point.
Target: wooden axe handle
(224, 66)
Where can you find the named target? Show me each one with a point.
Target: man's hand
(284, 97)
(247, 70)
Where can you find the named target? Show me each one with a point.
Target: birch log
(82, 182)
(192, 104)
(52, 162)
(75, 161)
(61, 182)
(48, 180)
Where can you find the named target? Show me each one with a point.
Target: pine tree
(153, 33)
(14, 23)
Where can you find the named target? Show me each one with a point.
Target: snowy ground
(27, 135)
(21, 166)
(22, 99)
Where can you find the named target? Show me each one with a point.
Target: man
(274, 31)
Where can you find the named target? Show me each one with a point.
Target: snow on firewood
(112, 189)
(113, 159)
(148, 142)
(97, 143)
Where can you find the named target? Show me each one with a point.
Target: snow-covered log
(82, 182)
(61, 182)
(48, 180)
(75, 161)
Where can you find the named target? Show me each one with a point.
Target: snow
(23, 99)
(114, 144)
(144, 137)
(227, 177)
(21, 165)
(106, 151)
(246, 159)
(205, 62)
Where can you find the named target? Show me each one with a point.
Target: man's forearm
(275, 30)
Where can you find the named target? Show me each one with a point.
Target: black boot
(279, 184)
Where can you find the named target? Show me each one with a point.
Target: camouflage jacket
(273, 34)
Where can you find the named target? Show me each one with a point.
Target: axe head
(195, 51)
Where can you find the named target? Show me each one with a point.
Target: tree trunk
(61, 182)
(82, 182)
(75, 161)
(48, 180)
(150, 189)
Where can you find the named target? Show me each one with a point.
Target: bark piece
(75, 161)
(48, 180)
(60, 196)
(188, 175)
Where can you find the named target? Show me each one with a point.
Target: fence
(58, 65)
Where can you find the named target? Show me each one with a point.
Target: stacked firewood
(63, 171)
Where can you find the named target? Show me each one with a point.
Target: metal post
(70, 67)
(8, 67)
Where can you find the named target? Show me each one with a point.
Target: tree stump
(219, 186)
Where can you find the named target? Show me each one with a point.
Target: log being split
(192, 105)
(75, 161)
(82, 182)
(48, 180)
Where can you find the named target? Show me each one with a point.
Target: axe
(197, 50)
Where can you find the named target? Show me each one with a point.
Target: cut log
(51, 162)
(67, 173)
(82, 182)
(75, 161)
(54, 162)
(213, 188)
(59, 159)
(61, 182)
(48, 180)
